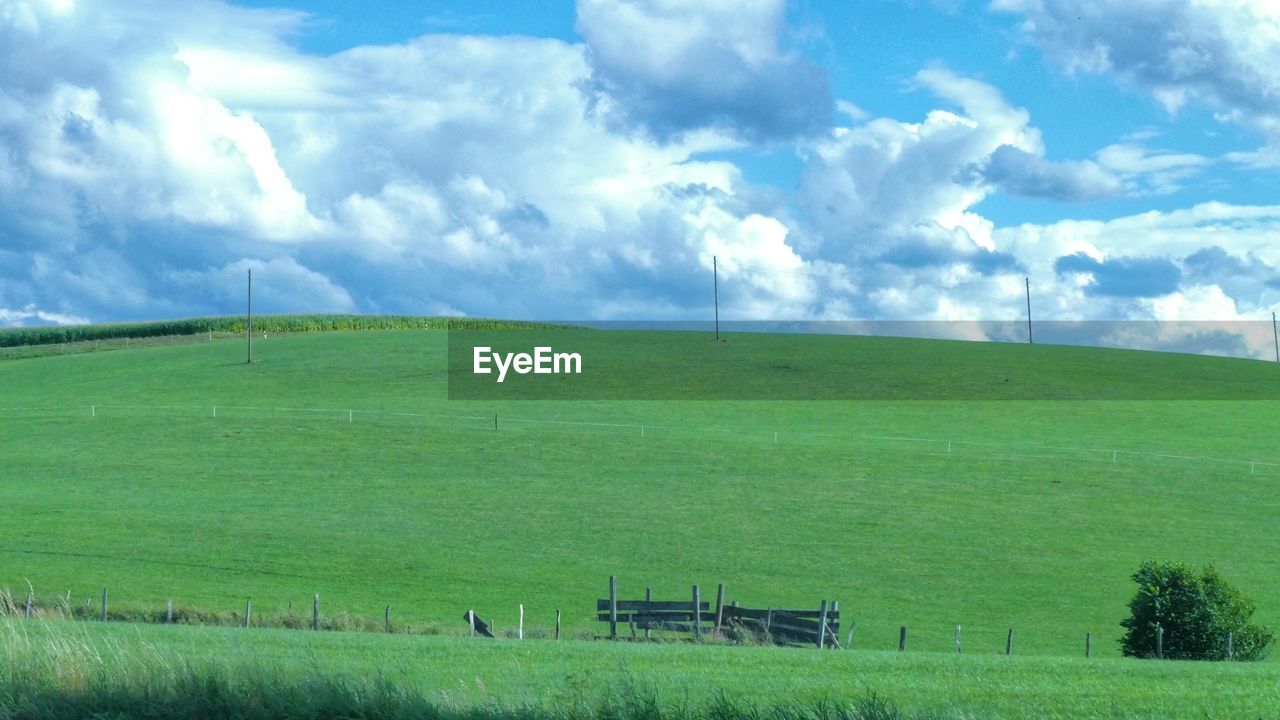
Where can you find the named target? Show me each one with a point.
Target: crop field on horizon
(930, 514)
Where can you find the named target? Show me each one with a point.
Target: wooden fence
(818, 627)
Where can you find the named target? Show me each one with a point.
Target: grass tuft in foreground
(60, 673)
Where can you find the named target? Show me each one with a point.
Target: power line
(715, 279)
(1030, 339)
(249, 331)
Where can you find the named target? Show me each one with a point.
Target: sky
(870, 160)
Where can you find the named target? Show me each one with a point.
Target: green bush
(1196, 612)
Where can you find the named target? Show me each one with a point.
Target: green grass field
(575, 679)
(991, 515)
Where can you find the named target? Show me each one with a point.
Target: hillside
(337, 465)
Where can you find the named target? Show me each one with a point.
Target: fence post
(248, 611)
(959, 649)
(1088, 644)
(902, 638)
(557, 623)
(520, 627)
(719, 607)
(471, 618)
(697, 613)
(315, 612)
(648, 597)
(168, 612)
(822, 625)
(388, 619)
(1008, 644)
(768, 625)
(1159, 642)
(28, 611)
(835, 613)
(613, 605)
(1230, 650)
(104, 604)
(853, 626)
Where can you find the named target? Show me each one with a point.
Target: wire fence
(940, 446)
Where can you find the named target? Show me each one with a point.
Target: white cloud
(1213, 248)
(878, 183)
(281, 285)
(131, 134)
(672, 66)
(30, 313)
(1198, 302)
(1022, 173)
(896, 202)
(1147, 171)
(1223, 54)
(146, 167)
(446, 172)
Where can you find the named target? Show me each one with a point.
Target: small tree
(1195, 611)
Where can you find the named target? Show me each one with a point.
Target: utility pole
(1275, 336)
(1030, 340)
(249, 332)
(715, 279)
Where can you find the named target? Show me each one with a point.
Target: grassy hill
(337, 465)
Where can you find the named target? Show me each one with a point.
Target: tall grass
(54, 670)
(13, 337)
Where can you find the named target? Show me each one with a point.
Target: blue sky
(843, 160)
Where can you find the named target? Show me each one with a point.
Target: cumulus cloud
(281, 285)
(1123, 276)
(1223, 55)
(145, 166)
(150, 156)
(885, 179)
(31, 315)
(1210, 262)
(1019, 172)
(895, 202)
(673, 66)
(1146, 171)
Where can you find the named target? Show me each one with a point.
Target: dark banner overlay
(866, 361)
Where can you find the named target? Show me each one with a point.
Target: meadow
(58, 669)
(335, 464)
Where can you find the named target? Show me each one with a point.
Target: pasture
(184, 671)
(336, 465)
